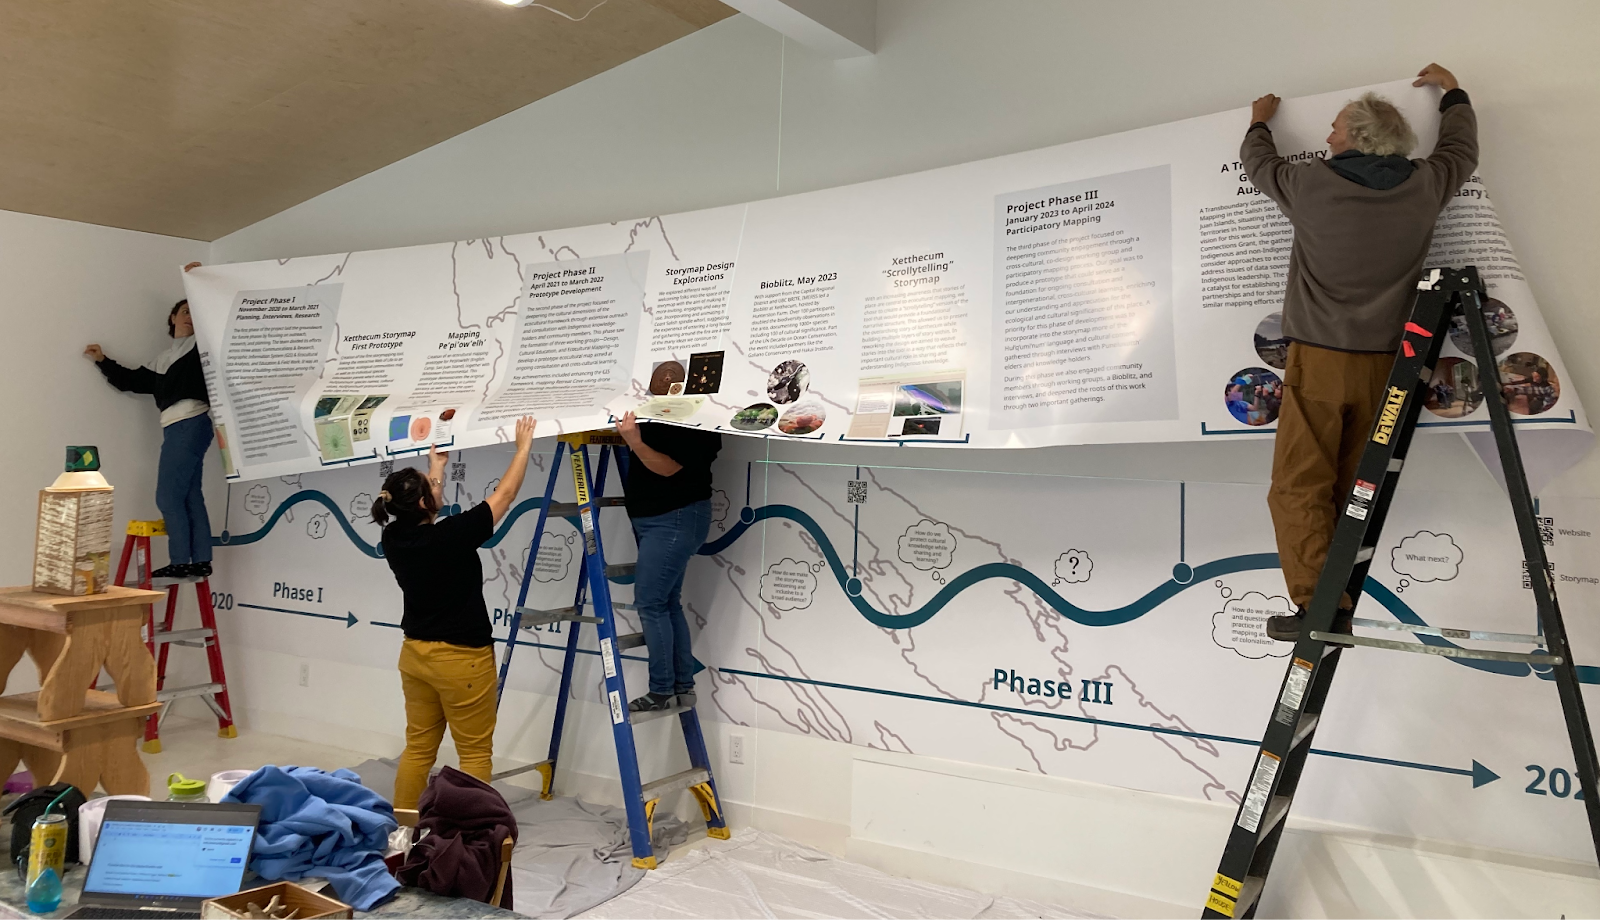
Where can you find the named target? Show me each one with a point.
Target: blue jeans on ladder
(666, 544)
(183, 506)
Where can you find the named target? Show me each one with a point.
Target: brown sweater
(1358, 251)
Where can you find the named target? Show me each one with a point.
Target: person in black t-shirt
(669, 501)
(447, 659)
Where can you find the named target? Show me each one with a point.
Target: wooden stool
(65, 732)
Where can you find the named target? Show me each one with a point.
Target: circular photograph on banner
(1254, 396)
(788, 382)
(421, 427)
(1453, 390)
(1502, 328)
(664, 376)
(1528, 383)
(1270, 343)
(755, 418)
(802, 419)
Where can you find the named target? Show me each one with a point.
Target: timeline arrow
(349, 619)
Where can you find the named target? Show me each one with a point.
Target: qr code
(458, 472)
(385, 468)
(856, 492)
(1527, 582)
(1547, 530)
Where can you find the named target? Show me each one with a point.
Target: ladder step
(181, 692)
(174, 582)
(532, 617)
(570, 509)
(631, 640)
(518, 771)
(1275, 813)
(1395, 463)
(1308, 724)
(693, 776)
(617, 605)
(620, 569)
(184, 635)
(1443, 651)
(1248, 894)
(1445, 632)
(637, 717)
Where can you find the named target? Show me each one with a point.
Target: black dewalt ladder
(1275, 776)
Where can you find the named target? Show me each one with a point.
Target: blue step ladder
(639, 798)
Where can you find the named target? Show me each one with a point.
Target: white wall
(733, 113)
(68, 284)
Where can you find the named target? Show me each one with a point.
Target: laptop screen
(169, 850)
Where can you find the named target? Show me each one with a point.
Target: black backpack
(31, 805)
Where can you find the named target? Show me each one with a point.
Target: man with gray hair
(1363, 221)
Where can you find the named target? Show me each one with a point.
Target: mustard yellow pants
(445, 686)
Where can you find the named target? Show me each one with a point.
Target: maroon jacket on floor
(466, 823)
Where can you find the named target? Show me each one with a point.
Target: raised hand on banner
(1264, 108)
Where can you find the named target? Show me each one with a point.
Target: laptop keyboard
(118, 913)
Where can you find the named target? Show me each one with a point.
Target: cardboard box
(312, 906)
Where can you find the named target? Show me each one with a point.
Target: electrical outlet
(735, 749)
(305, 674)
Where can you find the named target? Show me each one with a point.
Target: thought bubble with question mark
(1074, 566)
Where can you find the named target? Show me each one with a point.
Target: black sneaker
(176, 570)
(199, 570)
(686, 698)
(1287, 629)
(652, 702)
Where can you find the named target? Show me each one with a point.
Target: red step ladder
(136, 548)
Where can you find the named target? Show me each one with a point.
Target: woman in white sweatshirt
(177, 382)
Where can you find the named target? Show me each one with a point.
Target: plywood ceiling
(194, 118)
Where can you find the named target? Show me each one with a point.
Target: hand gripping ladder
(639, 798)
(1258, 827)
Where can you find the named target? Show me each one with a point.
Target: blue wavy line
(992, 570)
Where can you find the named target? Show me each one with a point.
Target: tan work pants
(1329, 401)
(445, 685)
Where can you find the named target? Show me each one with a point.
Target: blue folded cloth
(321, 824)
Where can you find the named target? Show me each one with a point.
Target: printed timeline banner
(1119, 289)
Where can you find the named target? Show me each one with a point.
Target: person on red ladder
(176, 380)
(1363, 221)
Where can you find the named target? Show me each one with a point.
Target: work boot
(652, 702)
(1287, 629)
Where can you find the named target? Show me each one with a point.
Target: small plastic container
(180, 788)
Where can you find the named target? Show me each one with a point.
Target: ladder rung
(619, 570)
(174, 582)
(1395, 463)
(1308, 724)
(181, 692)
(1365, 553)
(532, 617)
(637, 717)
(1443, 651)
(1275, 812)
(518, 771)
(1248, 892)
(570, 509)
(693, 776)
(183, 635)
(631, 640)
(1445, 632)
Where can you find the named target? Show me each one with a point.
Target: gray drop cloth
(757, 874)
(570, 855)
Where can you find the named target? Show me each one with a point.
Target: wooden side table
(66, 732)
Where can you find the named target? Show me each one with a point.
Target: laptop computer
(161, 859)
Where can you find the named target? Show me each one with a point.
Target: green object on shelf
(182, 789)
(83, 459)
